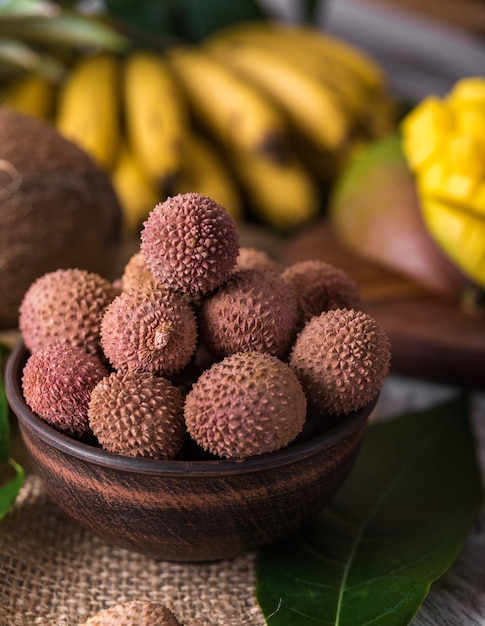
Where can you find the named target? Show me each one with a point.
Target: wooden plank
(467, 15)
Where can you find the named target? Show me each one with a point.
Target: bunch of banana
(260, 116)
(288, 105)
(88, 109)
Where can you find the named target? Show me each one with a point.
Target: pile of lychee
(201, 346)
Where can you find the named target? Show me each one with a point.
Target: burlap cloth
(54, 573)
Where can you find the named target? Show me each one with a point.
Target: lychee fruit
(136, 273)
(320, 286)
(149, 329)
(134, 613)
(342, 358)
(254, 310)
(253, 258)
(57, 382)
(138, 414)
(190, 243)
(65, 306)
(248, 404)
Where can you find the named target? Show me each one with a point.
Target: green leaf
(310, 9)
(68, 29)
(27, 8)
(15, 55)
(4, 423)
(10, 490)
(142, 18)
(395, 527)
(186, 20)
(200, 19)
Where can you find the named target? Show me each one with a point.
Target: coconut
(57, 209)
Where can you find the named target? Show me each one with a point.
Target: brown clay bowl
(186, 510)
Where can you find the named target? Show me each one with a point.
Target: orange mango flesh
(443, 141)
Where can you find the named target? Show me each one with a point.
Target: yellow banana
(32, 94)
(239, 115)
(88, 107)
(310, 105)
(283, 195)
(352, 94)
(327, 49)
(205, 172)
(156, 115)
(137, 192)
(459, 233)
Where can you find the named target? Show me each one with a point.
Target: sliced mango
(470, 120)
(460, 234)
(468, 89)
(425, 131)
(444, 144)
(465, 154)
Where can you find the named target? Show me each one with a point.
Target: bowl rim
(177, 467)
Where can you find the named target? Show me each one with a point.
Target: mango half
(375, 210)
(443, 142)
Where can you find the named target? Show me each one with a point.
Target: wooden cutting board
(431, 338)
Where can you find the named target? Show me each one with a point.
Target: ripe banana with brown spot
(310, 105)
(283, 195)
(137, 192)
(234, 111)
(352, 95)
(88, 110)
(327, 49)
(156, 115)
(204, 171)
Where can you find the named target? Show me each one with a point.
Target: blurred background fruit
(162, 84)
(57, 209)
(283, 123)
(375, 211)
(415, 201)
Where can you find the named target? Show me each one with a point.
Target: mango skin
(375, 211)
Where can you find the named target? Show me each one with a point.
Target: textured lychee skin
(254, 310)
(319, 287)
(65, 306)
(136, 273)
(134, 613)
(342, 358)
(252, 258)
(149, 329)
(190, 243)
(247, 404)
(57, 382)
(138, 414)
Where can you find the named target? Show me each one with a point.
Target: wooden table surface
(465, 15)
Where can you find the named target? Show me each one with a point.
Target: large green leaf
(67, 29)
(395, 527)
(11, 473)
(200, 19)
(187, 20)
(4, 423)
(10, 490)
